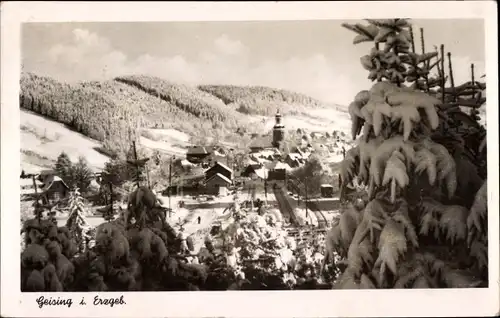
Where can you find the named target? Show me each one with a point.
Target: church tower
(278, 131)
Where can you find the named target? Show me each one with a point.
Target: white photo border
(335, 303)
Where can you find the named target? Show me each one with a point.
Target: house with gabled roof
(218, 184)
(197, 154)
(54, 189)
(220, 168)
(261, 143)
(279, 165)
(44, 175)
(278, 170)
(294, 159)
(218, 178)
(255, 171)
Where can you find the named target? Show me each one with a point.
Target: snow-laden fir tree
(80, 229)
(424, 223)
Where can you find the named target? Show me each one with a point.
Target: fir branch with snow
(420, 227)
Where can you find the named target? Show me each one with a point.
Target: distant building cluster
(266, 159)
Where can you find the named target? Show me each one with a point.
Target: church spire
(278, 118)
(278, 131)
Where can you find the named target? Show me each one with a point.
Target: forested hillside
(111, 111)
(259, 100)
(188, 99)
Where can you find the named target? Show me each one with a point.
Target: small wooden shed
(54, 189)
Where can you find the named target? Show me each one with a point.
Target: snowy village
(221, 187)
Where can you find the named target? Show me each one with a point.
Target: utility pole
(100, 177)
(286, 179)
(109, 208)
(305, 185)
(170, 187)
(181, 188)
(38, 207)
(136, 165)
(111, 197)
(266, 175)
(230, 163)
(106, 178)
(252, 196)
(147, 176)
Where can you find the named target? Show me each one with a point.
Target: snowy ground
(170, 141)
(172, 135)
(162, 146)
(42, 140)
(310, 218)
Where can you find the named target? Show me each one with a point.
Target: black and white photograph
(274, 155)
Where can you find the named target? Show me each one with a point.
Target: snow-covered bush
(425, 225)
(45, 261)
(270, 259)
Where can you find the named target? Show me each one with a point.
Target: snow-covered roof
(51, 182)
(185, 162)
(218, 175)
(306, 155)
(197, 150)
(252, 163)
(268, 152)
(326, 186)
(94, 184)
(222, 165)
(295, 155)
(261, 173)
(218, 153)
(282, 165)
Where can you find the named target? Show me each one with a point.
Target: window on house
(56, 196)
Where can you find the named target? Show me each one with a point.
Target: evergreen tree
(135, 173)
(116, 171)
(312, 175)
(418, 228)
(77, 224)
(82, 175)
(108, 193)
(64, 168)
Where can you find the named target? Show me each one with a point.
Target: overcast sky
(312, 57)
